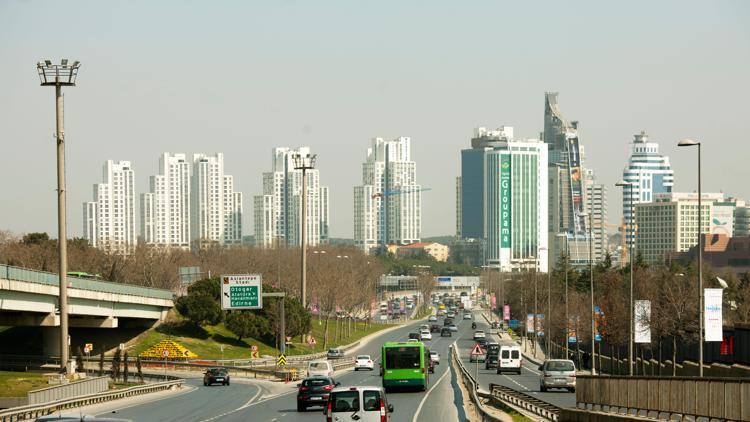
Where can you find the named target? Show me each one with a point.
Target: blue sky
(243, 77)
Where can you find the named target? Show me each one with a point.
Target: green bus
(404, 365)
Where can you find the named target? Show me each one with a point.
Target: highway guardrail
(471, 385)
(43, 409)
(524, 401)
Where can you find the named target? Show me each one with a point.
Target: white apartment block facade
(216, 209)
(596, 206)
(277, 212)
(650, 174)
(109, 220)
(387, 206)
(670, 223)
(165, 210)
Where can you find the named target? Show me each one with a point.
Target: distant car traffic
(467, 316)
(453, 328)
(314, 391)
(432, 318)
(335, 353)
(414, 336)
(425, 335)
(445, 332)
(364, 362)
(320, 367)
(479, 334)
(435, 356)
(216, 376)
(434, 328)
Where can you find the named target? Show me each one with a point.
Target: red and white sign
(165, 353)
(477, 350)
(254, 347)
(312, 340)
(88, 348)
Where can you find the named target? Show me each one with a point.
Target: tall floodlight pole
(631, 244)
(567, 318)
(304, 162)
(536, 311)
(690, 143)
(60, 75)
(548, 317)
(591, 286)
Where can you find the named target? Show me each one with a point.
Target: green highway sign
(241, 291)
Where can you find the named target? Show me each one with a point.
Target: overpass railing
(9, 272)
(713, 398)
(64, 391)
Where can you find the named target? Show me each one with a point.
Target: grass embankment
(17, 384)
(207, 341)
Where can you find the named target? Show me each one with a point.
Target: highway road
(248, 401)
(527, 382)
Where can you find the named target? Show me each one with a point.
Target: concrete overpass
(30, 298)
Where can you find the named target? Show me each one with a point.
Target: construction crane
(398, 192)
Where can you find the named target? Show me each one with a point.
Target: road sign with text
(241, 291)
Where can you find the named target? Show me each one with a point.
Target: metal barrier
(64, 391)
(717, 398)
(471, 385)
(43, 409)
(525, 401)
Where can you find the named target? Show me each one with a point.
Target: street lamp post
(304, 162)
(631, 244)
(690, 143)
(59, 76)
(536, 311)
(567, 318)
(548, 317)
(591, 285)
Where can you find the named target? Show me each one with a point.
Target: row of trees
(341, 280)
(673, 293)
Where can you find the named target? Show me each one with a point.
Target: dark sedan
(216, 376)
(314, 391)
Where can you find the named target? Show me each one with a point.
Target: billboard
(506, 312)
(576, 184)
(530, 323)
(572, 332)
(599, 320)
(722, 220)
(712, 318)
(505, 201)
(493, 300)
(643, 321)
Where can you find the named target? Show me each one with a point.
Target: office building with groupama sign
(504, 198)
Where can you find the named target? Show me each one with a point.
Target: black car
(434, 328)
(482, 343)
(490, 361)
(448, 321)
(216, 376)
(314, 391)
(445, 332)
(414, 335)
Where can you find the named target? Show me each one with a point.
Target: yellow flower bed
(176, 351)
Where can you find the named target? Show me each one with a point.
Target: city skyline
(402, 77)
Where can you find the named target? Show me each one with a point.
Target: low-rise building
(720, 252)
(438, 251)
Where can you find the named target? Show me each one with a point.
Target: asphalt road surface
(247, 402)
(527, 382)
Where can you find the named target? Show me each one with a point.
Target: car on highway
(414, 336)
(335, 353)
(483, 342)
(557, 373)
(319, 367)
(432, 318)
(314, 391)
(412, 340)
(450, 314)
(453, 328)
(447, 321)
(445, 332)
(424, 327)
(510, 359)
(435, 357)
(364, 362)
(467, 316)
(216, 376)
(479, 334)
(358, 403)
(434, 328)
(441, 312)
(425, 335)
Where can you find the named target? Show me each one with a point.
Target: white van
(359, 403)
(509, 359)
(320, 367)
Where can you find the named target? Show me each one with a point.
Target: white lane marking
(190, 390)
(247, 404)
(517, 383)
(531, 368)
(421, 403)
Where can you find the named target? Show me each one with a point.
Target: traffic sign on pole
(88, 348)
(241, 291)
(477, 350)
(165, 353)
(281, 361)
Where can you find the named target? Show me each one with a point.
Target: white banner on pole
(712, 314)
(643, 321)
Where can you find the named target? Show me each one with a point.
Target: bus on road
(404, 365)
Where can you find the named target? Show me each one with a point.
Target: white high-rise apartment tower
(278, 211)
(650, 174)
(165, 210)
(596, 205)
(216, 214)
(109, 220)
(387, 207)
